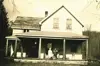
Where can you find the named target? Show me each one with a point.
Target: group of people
(52, 54)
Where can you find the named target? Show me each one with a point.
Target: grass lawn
(37, 64)
(12, 63)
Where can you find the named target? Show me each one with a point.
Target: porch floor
(79, 62)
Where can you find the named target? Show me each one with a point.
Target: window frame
(69, 24)
(56, 23)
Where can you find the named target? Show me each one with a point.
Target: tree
(94, 44)
(3, 31)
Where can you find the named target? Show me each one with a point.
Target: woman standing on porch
(50, 53)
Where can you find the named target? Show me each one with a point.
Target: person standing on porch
(50, 53)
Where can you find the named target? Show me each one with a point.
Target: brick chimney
(46, 13)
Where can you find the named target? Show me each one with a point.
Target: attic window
(55, 23)
(69, 24)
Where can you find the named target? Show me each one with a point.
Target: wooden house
(34, 36)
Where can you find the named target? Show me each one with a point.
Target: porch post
(64, 51)
(6, 47)
(15, 50)
(21, 51)
(87, 49)
(39, 52)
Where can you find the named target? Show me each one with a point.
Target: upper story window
(69, 24)
(55, 23)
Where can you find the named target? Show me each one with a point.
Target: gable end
(41, 22)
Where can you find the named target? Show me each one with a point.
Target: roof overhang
(46, 34)
(12, 38)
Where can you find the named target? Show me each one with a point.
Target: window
(26, 30)
(49, 45)
(56, 23)
(69, 24)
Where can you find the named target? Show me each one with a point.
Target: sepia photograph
(49, 32)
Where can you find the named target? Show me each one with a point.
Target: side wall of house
(63, 15)
(15, 31)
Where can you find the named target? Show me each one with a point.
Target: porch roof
(12, 38)
(51, 34)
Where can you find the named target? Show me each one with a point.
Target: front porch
(32, 46)
(67, 49)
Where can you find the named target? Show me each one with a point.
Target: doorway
(31, 46)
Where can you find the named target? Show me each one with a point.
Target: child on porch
(55, 51)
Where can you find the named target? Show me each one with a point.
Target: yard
(12, 63)
(37, 64)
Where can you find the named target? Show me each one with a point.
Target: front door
(33, 50)
(31, 47)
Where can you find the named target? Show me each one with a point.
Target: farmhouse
(55, 36)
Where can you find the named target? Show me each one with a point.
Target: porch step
(76, 62)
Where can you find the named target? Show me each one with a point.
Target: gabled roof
(22, 22)
(41, 22)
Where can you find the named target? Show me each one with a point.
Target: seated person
(55, 51)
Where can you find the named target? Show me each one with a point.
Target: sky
(87, 11)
